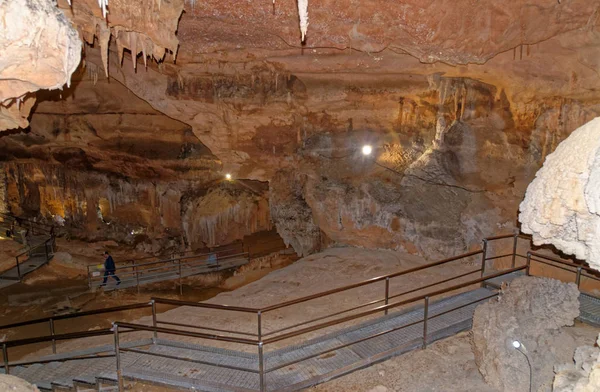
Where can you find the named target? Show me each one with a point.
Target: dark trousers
(108, 273)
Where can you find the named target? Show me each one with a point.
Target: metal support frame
(154, 320)
(261, 367)
(387, 293)
(483, 260)
(578, 277)
(51, 323)
(514, 252)
(261, 360)
(180, 284)
(5, 358)
(118, 359)
(425, 315)
(18, 268)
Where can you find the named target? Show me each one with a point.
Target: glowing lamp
(228, 176)
(367, 150)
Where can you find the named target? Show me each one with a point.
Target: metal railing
(44, 249)
(580, 271)
(169, 269)
(260, 337)
(53, 337)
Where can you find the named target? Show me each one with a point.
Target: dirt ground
(447, 365)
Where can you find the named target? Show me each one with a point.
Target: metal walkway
(33, 256)
(186, 359)
(171, 272)
(181, 373)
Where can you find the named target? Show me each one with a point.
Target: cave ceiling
(461, 100)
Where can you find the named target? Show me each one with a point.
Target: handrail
(368, 281)
(188, 265)
(170, 260)
(556, 260)
(140, 327)
(382, 308)
(204, 305)
(78, 314)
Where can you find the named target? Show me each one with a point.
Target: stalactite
(303, 13)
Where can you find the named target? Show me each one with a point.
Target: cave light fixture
(367, 149)
(520, 347)
(228, 176)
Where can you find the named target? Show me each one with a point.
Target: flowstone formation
(583, 374)
(40, 50)
(15, 384)
(562, 205)
(531, 311)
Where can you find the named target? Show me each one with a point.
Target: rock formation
(15, 384)
(40, 50)
(583, 375)
(531, 311)
(461, 115)
(562, 204)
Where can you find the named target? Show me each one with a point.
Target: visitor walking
(109, 269)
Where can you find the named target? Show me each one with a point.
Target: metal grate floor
(179, 373)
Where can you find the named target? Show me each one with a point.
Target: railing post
(18, 268)
(261, 367)
(180, 284)
(46, 249)
(259, 324)
(154, 320)
(483, 260)
(5, 359)
(89, 277)
(425, 315)
(528, 265)
(514, 253)
(51, 322)
(578, 277)
(118, 357)
(387, 293)
(137, 278)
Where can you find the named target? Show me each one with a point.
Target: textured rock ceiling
(462, 100)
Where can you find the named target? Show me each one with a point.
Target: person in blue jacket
(109, 269)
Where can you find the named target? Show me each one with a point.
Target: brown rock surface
(532, 312)
(462, 102)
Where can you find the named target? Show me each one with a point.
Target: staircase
(39, 250)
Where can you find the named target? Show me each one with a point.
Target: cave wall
(114, 168)
(461, 115)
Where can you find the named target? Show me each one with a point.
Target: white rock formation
(562, 204)
(40, 50)
(15, 384)
(581, 376)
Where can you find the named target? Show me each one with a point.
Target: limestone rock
(583, 375)
(40, 50)
(292, 215)
(532, 311)
(15, 384)
(562, 205)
